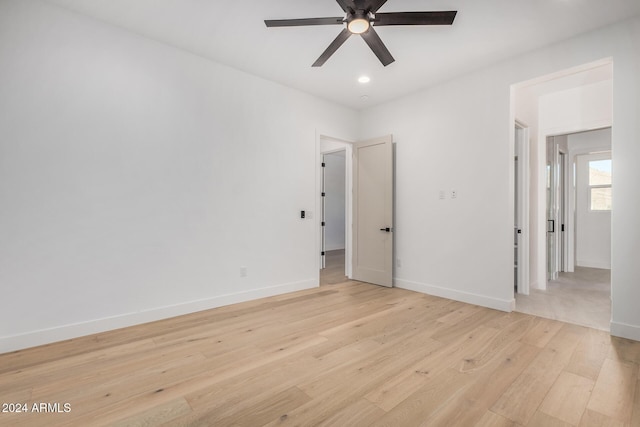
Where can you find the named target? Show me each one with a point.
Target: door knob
(387, 229)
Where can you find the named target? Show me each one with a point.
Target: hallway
(333, 273)
(582, 298)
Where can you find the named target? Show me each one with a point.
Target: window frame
(590, 187)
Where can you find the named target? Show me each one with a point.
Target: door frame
(522, 149)
(564, 205)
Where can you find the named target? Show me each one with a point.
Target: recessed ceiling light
(364, 79)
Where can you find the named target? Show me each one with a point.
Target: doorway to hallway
(570, 117)
(333, 271)
(582, 297)
(334, 218)
(360, 218)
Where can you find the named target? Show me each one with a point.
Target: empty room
(341, 213)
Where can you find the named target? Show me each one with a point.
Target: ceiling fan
(360, 18)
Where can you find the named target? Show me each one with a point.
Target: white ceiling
(232, 32)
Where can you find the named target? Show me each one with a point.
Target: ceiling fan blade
(347, 5)
(415, 18)
(303, 22)
(374, 5)
(335, 44)
(375, 43)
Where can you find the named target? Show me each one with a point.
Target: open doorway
(578, 290)
(335, 231)
(365, 209)
(334, 217)
(568, 114)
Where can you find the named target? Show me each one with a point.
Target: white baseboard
(593, 264)
(495, 303)
(623, 330)
(65, 332)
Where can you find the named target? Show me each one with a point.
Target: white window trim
(591, 187)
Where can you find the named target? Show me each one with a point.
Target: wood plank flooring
(344, 354)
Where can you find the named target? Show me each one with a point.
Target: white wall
(447, 138)
(335, 185)
(589, 142)
(458, 136)
(136, 179)
(577, 109)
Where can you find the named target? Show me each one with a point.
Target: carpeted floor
(582, 298)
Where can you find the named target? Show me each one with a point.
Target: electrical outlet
(243, 271)
(454, 194)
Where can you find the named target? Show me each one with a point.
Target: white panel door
(373, 211)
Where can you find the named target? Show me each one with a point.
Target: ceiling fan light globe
(358, 25)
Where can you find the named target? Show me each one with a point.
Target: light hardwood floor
(345, 354)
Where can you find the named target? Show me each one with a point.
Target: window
(600, 185)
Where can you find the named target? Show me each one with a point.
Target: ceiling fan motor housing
(359, 21)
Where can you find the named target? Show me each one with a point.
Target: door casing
(522, 205)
